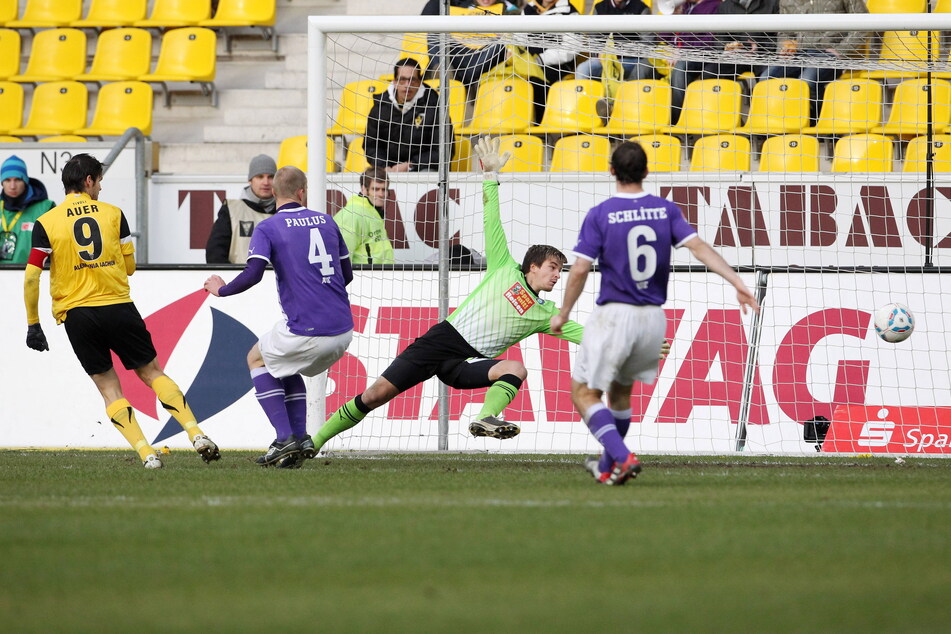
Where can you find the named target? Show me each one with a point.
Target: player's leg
(600, 421)
(503, 378)
(356, 409)
(270, 392)
(619, 402)
(313, 356)
(122, 417)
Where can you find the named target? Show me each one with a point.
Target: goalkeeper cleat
(623, 472)
(206, 448)
(307, 448)
(152, 462)
(492, 427)
(591, 465)
(278, 451)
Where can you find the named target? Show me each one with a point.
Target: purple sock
(602, 425)
(295, 401)
(270, 394)
(622, 420)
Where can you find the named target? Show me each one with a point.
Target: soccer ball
(894, 322)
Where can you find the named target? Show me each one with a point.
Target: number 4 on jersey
(318, 253)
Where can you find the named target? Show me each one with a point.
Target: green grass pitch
(91, 542)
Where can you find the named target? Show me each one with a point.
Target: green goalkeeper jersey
(503, 309)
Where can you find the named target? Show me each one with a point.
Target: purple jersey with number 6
(305, 247)
(631, 236)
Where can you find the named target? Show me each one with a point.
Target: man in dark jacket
(231, 234)
(403, 126)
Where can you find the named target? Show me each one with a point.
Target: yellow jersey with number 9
(86, 241)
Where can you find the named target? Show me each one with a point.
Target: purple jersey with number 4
(305, 247)
(631, 236)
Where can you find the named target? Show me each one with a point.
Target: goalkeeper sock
(295, 402)
(172, 399)
(602, 426)
(270, 394)
(498, 397)
(622, 420)
(350, 414)
(123, 418)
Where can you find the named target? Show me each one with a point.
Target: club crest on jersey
(520, 298)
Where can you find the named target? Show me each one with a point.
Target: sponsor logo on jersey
(520, 298)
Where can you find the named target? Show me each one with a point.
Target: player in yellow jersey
(91, 255)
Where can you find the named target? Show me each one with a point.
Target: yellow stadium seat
(502, 106)
(850, 106)
(119, 106)
(462, 157)
(5, 138)
(790, 153)
(721, 152)
(56, 54)
(331, 155)
(356, 160)
(896, 6)
(186, 55)
(121, 54)
(863, 153)
(356, 101)
(663, 151)
(570, 107)
(581, 153)
(176, 13)
(640, 107)
(710, 106)
(11, 106)
(244, 13)
(916, 154)
(59, 107)
(909, 114)
(777, 106)
(293, 151)
(415, 46)
(8, 11)
(457, 101)
(907, 52)
(63, 138)
(528, 153)
(48, 13)
(112, 13)
(9, 53)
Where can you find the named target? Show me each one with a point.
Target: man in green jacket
(23, 201)
(361, 220)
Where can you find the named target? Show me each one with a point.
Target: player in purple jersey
(312, 267)
(631, 236)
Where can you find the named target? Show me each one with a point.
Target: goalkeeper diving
(505, 308)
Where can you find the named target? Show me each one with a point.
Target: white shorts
(286, 354)
(621, 344)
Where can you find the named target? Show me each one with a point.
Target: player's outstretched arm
(35, 338)
(487, 149)
(715, 262)
(252, 274)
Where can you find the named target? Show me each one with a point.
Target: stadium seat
(293, 151)
(356, 100)
(11, 106)
(56, 54)
(777, 106)
(640, 107)
(8, 11)
(331, 155)
(457, 101)
(112, 13)
(48, 13)
(909, 114)
(790, 153)
(415, 46)
(863, 153)
(849, 106)
(906, 52)
(663, 151)
(528, 153)
(5, 138)
(59, 107)
(121, 54)
(63, 138)
(916, 154)
(176, 13)
(186, 55)
(570, 107)
(896, 6)
(9, 53)
(119, 106)
(502, 106)
(581, 153)
(356, 160)
(721, 152)
(244, 13)
(462, 156)
(710, 106)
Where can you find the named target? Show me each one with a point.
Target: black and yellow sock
(351, 413)
(498, 397)
(123, 418)
(172, 399)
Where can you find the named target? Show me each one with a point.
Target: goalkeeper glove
(487, 149)
(664, 349)
(35, 338)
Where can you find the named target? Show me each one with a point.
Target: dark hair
(77, 169)
(629, 162)
(408, 61)
(538, 254)
(373, 174)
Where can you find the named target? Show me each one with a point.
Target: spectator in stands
(634, 67)
(23, 201)
(231, 235)
(403, 125)
(687, 70)
(742, 42)
(556, 61)
(468, 62)
(361, 220)
(821, 47)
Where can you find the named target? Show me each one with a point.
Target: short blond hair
(288, 181)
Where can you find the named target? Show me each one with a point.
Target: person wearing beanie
(22, 201)
(231, 234)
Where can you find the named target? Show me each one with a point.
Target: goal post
(826, 223)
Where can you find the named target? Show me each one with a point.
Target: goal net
(822, 177)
